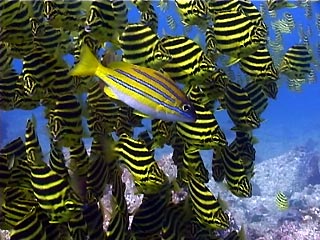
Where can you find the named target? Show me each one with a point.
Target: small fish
(207, 209)
(278, 4)
(193, 12)
(204, 133)
(134, 154)
(171, 22)
(141, 46)
(282, 201)
(164, 5)
(65, 123)
(8, 85)
(5, 58)
(259, 66)
(218, 172)
(257, 96)
(240, 108)
(235, 173)
(94, 218)
(101, 166)
(119, 222)
(236, 35)
(148, 218)
(143, 89)
(31, 226)
(189, 63)
(176, 215)
(150, 18)
(296, 63)
(142, 5)
(192, 160)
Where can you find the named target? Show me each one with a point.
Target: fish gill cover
(151, 119)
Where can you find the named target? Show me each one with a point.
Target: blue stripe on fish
(144, 83)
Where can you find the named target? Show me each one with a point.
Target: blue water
(292, 120)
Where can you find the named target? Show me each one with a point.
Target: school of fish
(129, 72)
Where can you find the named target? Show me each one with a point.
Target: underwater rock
(311, 170)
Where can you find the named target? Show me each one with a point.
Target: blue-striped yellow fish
(144, 89)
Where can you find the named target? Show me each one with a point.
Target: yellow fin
(254, 140)
(290, 5)
(222, 203)
(140, 114)
(108, 91)
(87, 65)
(232, 60)
(242, 233)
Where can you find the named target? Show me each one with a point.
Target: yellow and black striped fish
(100, 22)
(94, 219)
(189, 63)
(277, 4)
(257, 96)
(236, 35)
(161, 132)
(176, 215)
(5, 58)
(31, 226)
(218, 172)
(38, 71)
(8, 153)
(54, 194)
(243, 147)
(148, 219)
(141, 46)
(296, 62)
(206, 207)
(33, 148)
(270, 89)
(65, 123)
(66, 15)
(100, 169)
(259, 66)
(193, 12)
(57, 160)
(51, 38)
(150, 18)
(119, 222)
(211, 48)
(214, 87)
(253, 13)
(101, 111)
(21, 100)
(204, 133)
(18, 29)
(171, 22)
(235, 173)
(77, 226)
(282, 201)
(8, 11)
(78, 167)
(52, 191)
(134, 154)
(192, 161)
(240, 108)
(8, 85)
(17, 203)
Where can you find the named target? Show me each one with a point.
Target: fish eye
(186, 107)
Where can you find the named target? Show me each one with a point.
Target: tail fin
(87, 65)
